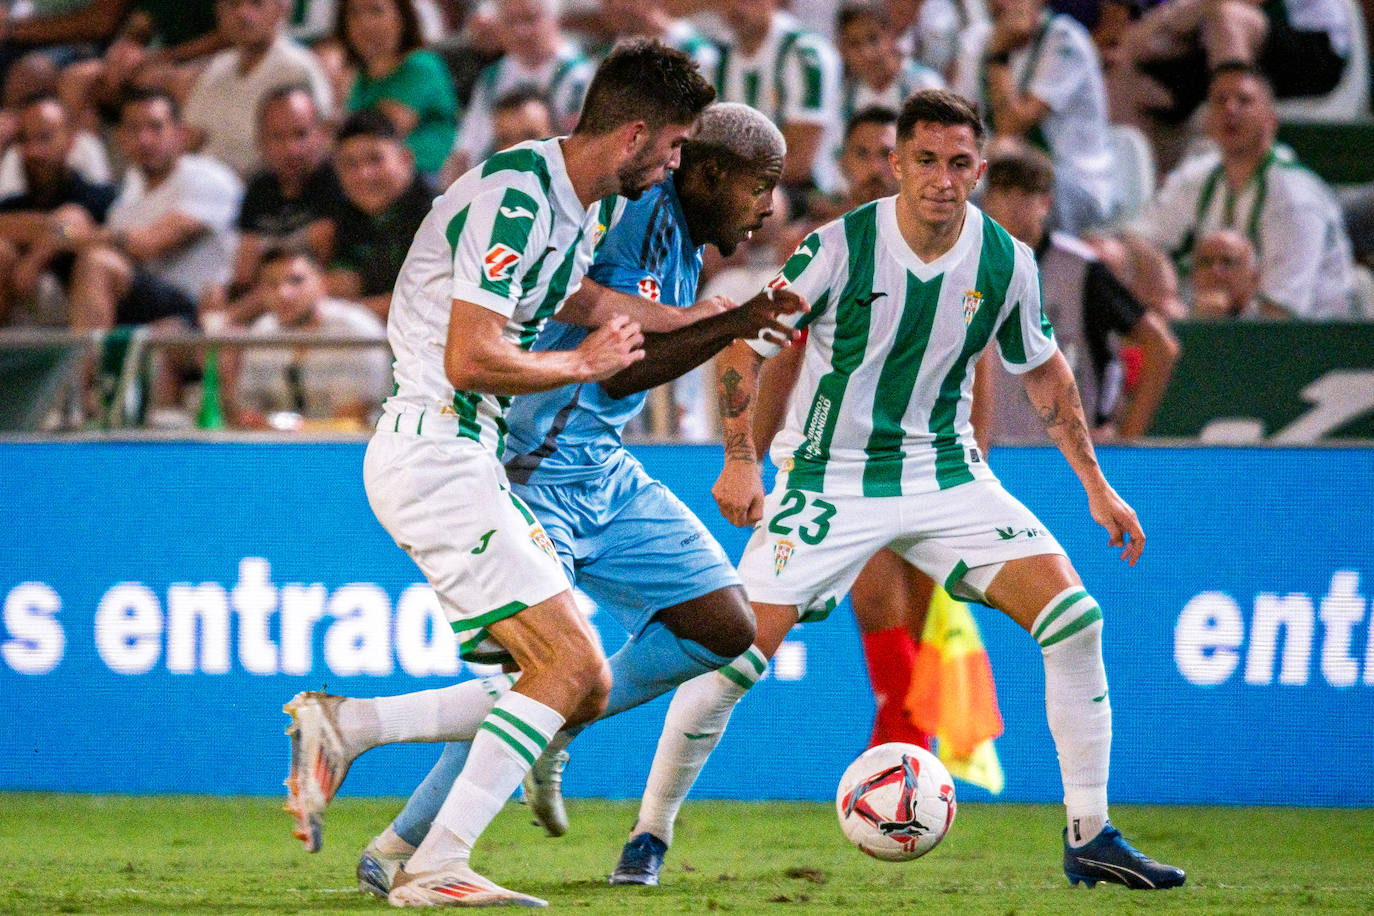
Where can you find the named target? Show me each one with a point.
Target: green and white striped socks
(696, 720)
(1069, 631)
(508, 742)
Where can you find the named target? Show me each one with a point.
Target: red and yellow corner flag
(953, 695)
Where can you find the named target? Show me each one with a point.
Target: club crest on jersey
(973, 300)
(649, 289)
(499, 261)
(782, 554)
(543, 542)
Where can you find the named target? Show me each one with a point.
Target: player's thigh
(487, 557)
(890, 592)
(1023, 587)
(973, 525)
(808, 548)
(653, 553)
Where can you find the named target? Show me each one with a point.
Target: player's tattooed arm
(1054, 395)
(737, 386)
(734, 400)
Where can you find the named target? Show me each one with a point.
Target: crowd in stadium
(263, 165)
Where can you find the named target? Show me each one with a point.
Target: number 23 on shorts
(813, 529)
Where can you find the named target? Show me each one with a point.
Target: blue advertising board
(161, 601)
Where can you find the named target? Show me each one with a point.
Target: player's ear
(634, 136)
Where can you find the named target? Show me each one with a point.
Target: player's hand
(1113, 513)
(739, 492)
(708, 308)
(759, 317)
(610, 348)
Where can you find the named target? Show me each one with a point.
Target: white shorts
(447, 503)
(809, 548)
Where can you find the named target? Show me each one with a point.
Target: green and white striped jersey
(562, 79)
(793, 76)
(510, 236)
(882, 404)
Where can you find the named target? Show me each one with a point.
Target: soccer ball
(896, 802)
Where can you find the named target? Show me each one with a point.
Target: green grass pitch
(173, 855)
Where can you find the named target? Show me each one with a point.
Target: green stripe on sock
(755, 657)
(735, 676)
(528, 730)
(519, 748)
(1089, 617)
(1061, 607)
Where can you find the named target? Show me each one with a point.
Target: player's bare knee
(589, 679)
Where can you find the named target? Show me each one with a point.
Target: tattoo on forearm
(734, 400)
(738, 447)
(1063, 421)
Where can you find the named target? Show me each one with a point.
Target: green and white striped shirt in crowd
(794, 78)
(510, 236)
(882, 404)
(562, 79)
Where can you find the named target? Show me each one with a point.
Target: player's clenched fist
(739, 492)
(610, 348)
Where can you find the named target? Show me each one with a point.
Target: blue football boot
(1108, 857)
(640, 861)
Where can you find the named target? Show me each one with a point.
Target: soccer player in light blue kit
(622, 536)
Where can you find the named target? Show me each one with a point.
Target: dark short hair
(367, 122)
(282, 93)
(852, 12)
(150, 94)
(411, 37)
(1027, 170)
(286, 250)
(939, 106)
(41, 97)
(519, 97)
(880, 115)
(1241, 68)
(647, 81)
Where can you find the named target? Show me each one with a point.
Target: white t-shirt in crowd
(224, 102)
(198, 187)
(317, 381)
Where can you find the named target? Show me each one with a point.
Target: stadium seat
(1349, 101)
(1133, 169)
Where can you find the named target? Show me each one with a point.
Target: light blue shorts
(629, 543)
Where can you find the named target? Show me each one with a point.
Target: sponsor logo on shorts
(973, 300)
(782, 554)
(499, 261)
(543, 542)
(690, 539)
(1008, 534)
(486, 539)
(649, 289)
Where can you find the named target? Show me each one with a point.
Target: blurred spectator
(927, 31)
(1226, 277)
(86, 155)
(865, 163)
(875, 72)
(151, 38)
(1165, 57)
(385, 202)
(57, 204)
(311, 20)
(1088, 308)
(170, 232)
(398, 77)
(618, 19)
(537, 54)
(309, 383)
(1255, 187)
(291, 198)
(771, 63)
(1038, 78)
(222, 111)
(520, 115)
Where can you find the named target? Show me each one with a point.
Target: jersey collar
(898, 248)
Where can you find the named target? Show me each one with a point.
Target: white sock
(1069, 631)
(700, 709)
(443, 714)
(510, 739)
(389, 843)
